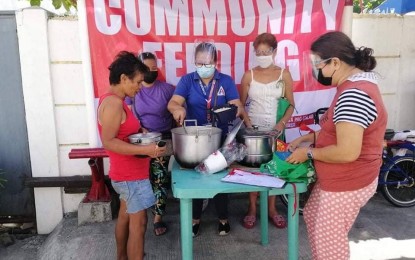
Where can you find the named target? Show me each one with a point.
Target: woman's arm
(288, 92)
(110, 115)
(175, 106)
(243, 94)
(308, 138)
(349, 139)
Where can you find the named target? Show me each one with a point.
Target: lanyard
(209, 100)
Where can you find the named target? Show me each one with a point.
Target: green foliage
(67, 4)
(367, 4)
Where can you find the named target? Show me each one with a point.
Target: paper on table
(253, 178)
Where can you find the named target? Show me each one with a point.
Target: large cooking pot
(260, 146)
(193, 144)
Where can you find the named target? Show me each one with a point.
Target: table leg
(292, 227)
(263, 202)
(186, 228)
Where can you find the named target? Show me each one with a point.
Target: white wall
(56, 104)
(32, 28)
(393, 41)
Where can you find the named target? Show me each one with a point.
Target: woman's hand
(143, 130)
(294, 144)
(179, 115)
(298, 156)
(280, 126)
(155, 151)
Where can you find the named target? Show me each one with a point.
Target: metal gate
(16, 201)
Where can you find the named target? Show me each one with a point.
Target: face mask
(318, 75)
(205, 72)
(325, 81)
(264, 61)
(150, 76)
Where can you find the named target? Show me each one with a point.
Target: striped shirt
(355, 106)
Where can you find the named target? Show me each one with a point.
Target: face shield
(311, 65)
(205, 55)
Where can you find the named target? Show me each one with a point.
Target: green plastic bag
(303, 172)
(283, 105)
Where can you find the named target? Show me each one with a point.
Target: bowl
(144, 138)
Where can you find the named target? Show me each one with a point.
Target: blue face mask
(205, 72)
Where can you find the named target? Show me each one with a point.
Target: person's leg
(197, 210)
(334, 214)
(272, 210)
(197, 213)
(310, 218)
(140, 198)
(252, 203)
(137, 230)
(121, 232)
(221, 204)
(250, 217)
(121, 227)
(159, 182)
(277, 220)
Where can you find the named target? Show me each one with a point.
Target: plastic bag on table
(222, 158)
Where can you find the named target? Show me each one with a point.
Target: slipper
(278, 221)
(159, 225)
(249, 221)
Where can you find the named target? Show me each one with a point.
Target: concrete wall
(393, 41)
(55, 101)
(53, 90)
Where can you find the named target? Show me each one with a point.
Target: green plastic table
(187, 184)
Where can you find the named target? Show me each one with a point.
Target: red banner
(170, 28)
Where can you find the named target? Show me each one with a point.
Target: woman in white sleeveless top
(264, 86)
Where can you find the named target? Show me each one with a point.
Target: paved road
(381, 232)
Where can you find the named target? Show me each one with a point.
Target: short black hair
(146, 56)
(126, 63)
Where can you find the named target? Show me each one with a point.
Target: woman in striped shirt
(348, 149)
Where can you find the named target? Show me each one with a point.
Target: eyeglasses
(315, 63)
(199, 65)
(146, 55)
(263, 53)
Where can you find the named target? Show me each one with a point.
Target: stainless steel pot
(193, 144)
(260, 146)
(144, 138)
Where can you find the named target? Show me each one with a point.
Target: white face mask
(264, 61)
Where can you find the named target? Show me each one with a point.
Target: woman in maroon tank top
(348, 148)
(129, 174)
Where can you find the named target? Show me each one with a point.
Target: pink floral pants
(329, 217)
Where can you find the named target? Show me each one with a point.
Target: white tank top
(264, 101)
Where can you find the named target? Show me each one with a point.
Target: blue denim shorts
(137, 194)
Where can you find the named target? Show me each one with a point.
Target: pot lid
(251, 132)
